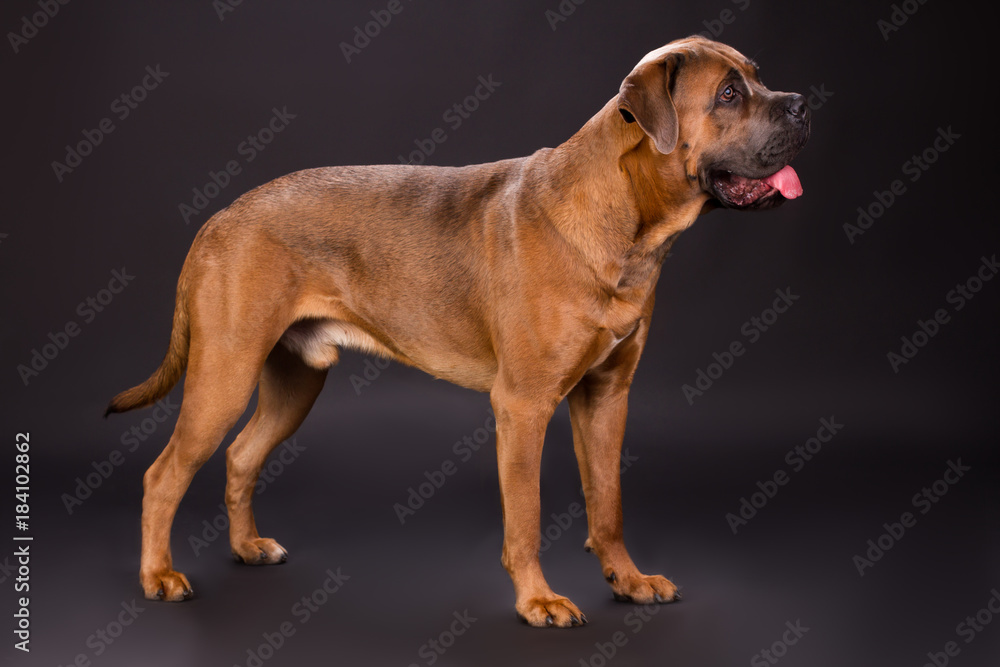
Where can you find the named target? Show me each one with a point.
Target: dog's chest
(619, 321)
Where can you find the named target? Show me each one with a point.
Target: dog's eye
(728, 95)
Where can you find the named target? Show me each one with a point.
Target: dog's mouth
(743, 192)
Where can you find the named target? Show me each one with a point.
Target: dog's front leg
(521, 423)
(598, 405)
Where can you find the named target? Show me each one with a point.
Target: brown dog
(531, 279)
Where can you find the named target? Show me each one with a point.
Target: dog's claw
(612, 578)
(550, 612)
(260, 551)
(643, 589)
(166, 585)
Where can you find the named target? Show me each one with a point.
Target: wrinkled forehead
(724, 57)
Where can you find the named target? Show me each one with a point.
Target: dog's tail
(171, 368)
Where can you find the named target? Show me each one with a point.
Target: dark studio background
(360, 452)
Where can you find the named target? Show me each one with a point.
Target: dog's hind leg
(288, 389)
(220, 380)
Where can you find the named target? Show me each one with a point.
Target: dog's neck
(602, 173)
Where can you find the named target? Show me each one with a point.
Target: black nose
(796, 109)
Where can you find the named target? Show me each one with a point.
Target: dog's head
(703, 102)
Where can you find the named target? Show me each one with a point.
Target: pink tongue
(787, 183)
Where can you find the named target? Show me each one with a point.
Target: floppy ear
(644, 98)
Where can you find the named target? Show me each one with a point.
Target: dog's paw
(261, 551)
(166, 585)
(643, 589)
(550, 612)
